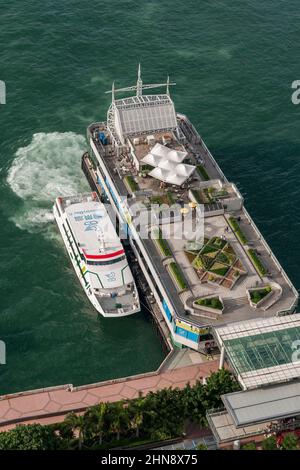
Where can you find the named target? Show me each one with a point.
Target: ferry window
(107, 262)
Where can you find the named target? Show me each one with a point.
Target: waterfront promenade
(51, 405)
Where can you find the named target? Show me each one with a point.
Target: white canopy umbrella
(185, 170)
(167, 165)
(176, 156)
(160, 150)
(178, 180)
(151, 159)
(159, 173)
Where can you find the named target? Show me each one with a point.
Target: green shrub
(131, 183)
(163, 245)
(257, 295)
(257, 262)
(237, 230)
(201, 446)
(203, 173)
(249, 446)
(213, 302)
(290, 442)
(176, 271)
(30, 437)
(269, 443)
(220, 271)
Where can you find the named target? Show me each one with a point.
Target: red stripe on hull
(109, 255)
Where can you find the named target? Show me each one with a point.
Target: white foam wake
(48, 167)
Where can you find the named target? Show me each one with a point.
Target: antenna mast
(139, 87)
(139, 83)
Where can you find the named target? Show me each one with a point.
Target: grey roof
(264, 404)
(145, 114)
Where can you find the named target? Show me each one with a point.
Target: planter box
(262, 301)
(207, 308)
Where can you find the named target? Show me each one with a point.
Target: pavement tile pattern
(51, 406)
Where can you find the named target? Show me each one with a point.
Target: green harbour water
(233, 63)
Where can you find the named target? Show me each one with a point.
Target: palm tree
(77, 422)
(136, 414)
(118, 418)
(217, 384)
(195, 403)
(101, 413)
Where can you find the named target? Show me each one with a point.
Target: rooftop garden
(203, 173)
(131, 183)
(166, 198)
(259, 266)
(215, 261)
(177, 275)
(211, 302)
(258, 294)
(208, 195)
(237, 230)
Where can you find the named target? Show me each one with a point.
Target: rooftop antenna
(113, 92)
(168, 85)
(139, 87)
(139, 83)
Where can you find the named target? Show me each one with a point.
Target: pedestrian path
(51, 405)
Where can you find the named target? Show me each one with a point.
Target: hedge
(131, 183)
(203, 173)
(257, 262)
(237, 230)
(176, 271)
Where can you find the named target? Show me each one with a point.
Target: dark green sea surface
(233, 63)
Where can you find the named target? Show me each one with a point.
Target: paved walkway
(50, 406)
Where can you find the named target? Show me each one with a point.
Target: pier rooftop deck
(239, 259)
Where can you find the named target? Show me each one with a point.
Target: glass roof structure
(143, 114)
(263, 351)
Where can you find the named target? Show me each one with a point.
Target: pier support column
(221, 363)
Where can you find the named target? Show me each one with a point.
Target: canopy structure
(185, 170)
(176, 156)
(173, 155)
(167, 165)
(152, 160)
(169, 161)
(178, 180)
(159, 173)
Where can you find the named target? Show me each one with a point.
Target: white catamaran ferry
(97, 254)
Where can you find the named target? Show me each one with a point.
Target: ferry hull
(80, 275)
